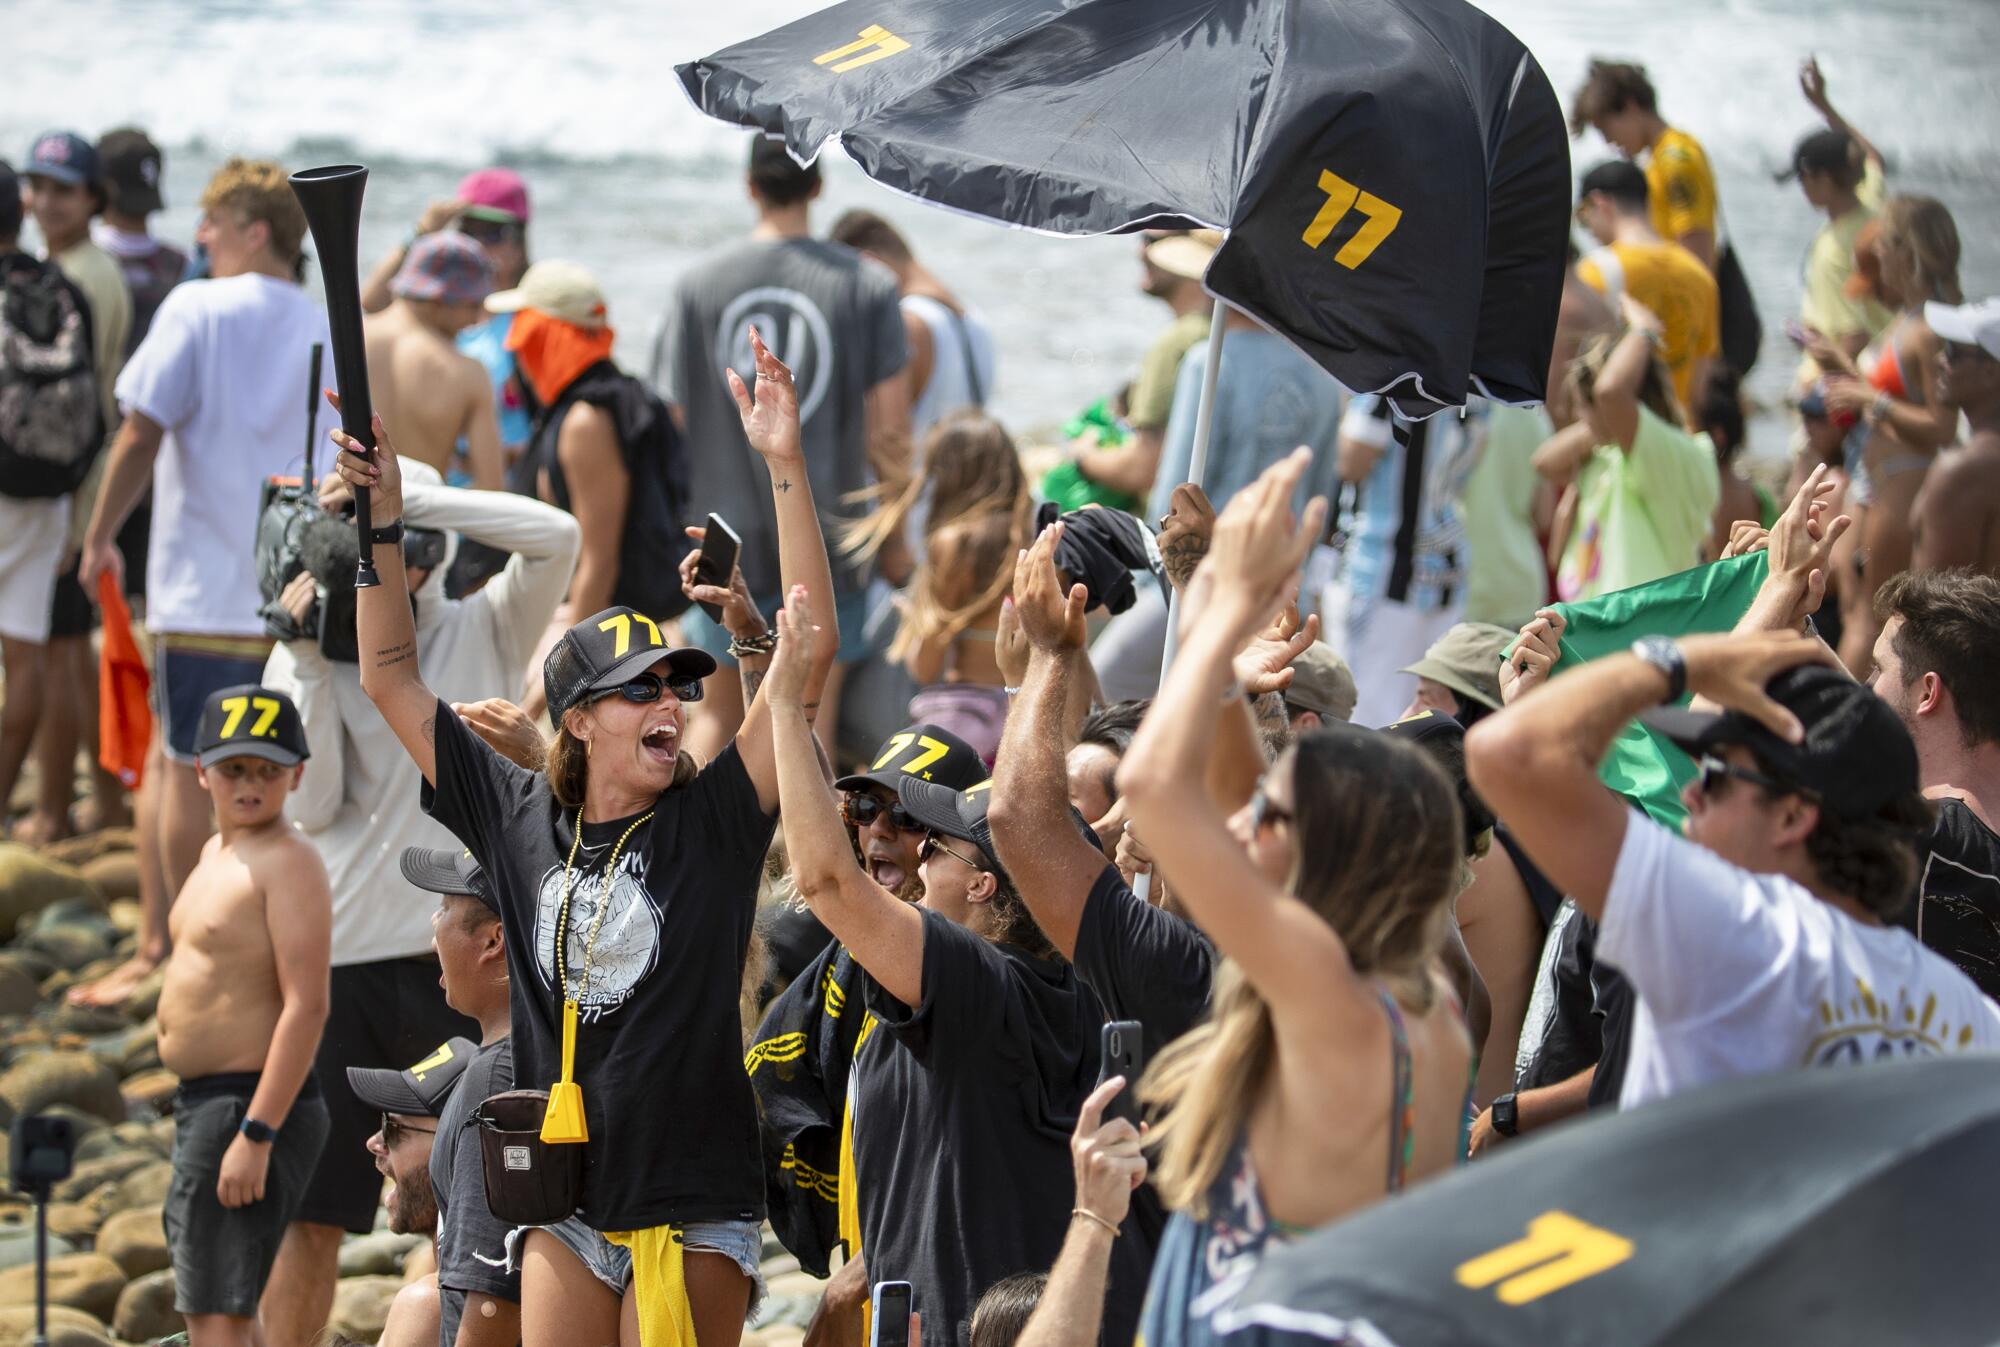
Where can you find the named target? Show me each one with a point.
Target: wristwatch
(261, 1133)
(1506, 1119)
(1664, 654)
(388, 533)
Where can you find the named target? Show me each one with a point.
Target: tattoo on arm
(812, 712)
(1182, 556)
(430, 729)
(395, 654)
(785, 485)
(752, 680)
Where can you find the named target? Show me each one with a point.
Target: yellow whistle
(564, 1123)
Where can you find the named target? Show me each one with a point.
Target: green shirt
(1641, 514)
(1506, 579)
(1153, 391)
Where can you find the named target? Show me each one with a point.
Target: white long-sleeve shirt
(358, 800)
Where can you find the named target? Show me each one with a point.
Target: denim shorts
(742, 1241)
(851, 609)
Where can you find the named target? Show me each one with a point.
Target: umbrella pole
(1204, 421)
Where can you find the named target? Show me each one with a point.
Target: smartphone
(889, 1310)
(719, 548)
(1124, 1054)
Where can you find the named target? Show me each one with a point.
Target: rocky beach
(69, 913)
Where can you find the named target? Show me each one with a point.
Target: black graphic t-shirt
(1143, 963)
(659, 1048)
(1957, 910)
(963, 1108)
(471, 1241)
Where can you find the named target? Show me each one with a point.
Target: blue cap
(64, 156)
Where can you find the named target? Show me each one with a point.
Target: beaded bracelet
(754, 645)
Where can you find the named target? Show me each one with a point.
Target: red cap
(496, 190)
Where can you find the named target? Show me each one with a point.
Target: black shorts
(223, 1255)
(385, 1014)
(72, 613)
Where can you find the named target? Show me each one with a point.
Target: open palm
(771, 416)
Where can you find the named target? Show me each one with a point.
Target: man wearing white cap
(1956, 518)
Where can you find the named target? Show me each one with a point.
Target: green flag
(1641, 765)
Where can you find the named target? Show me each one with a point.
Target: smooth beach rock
(67, 1327)
(91, 1023)
(136, 1241)
(20, 991)
(146, 1309)
(17, 1239)
(378, 1255)
(142, 1136)
(150, 1089)
(125, 914)
(86, 847)
(361, 1306)
(84, 912)
(30, 882)
(116, 874)
(76, 1221)
(84, 1281)
(421, 1263)
(90, 1175)
(144, 1187)
(70, 946)
(145, 997)
(77, 1078)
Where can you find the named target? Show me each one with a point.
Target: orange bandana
(551, 352)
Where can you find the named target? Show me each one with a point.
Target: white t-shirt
(223, 368)
(961, 347)
(1741, 974)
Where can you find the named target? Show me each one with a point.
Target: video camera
(294, 535)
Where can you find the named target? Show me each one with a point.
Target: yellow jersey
(1672, 282)
(1680, 186)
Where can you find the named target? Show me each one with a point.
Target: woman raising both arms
(627, 876)
(1334, 1066)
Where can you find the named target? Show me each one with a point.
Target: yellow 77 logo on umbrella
(876, 41)
(1341, 197)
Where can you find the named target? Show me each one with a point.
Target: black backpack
(659, 505)
(51, 422)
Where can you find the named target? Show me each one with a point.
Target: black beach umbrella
(1844, 1205)
(1393, 174)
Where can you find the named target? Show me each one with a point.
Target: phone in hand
(719, 549)
(889, 1312)
(1124, 1054)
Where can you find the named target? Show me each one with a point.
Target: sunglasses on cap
(646, 687)
(861, 810)
(932, 844)
(1957, 351)
(1713, 771)
(393, 1131)
(487, 231)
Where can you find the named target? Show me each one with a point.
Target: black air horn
(331, 197)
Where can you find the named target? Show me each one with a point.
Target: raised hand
(1051, 618)
(740, 617)
(791, 665)
(1259, 545)
(508, 729)
(771, 419)
(1802, 540)
(1109, 1163)
(1265, 665)
(376, 469)
(1812, 83)
(1731, 670)
(1536, 650)
(1185, 531)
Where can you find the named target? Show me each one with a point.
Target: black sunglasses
(646, 687)
(1263, 811)
(1714, 771)
(862, 810)
(393, 1131)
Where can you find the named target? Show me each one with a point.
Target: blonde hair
(257, 189)
(1656, 393)
(1922, 226)
(981, 514)
(1382, 870)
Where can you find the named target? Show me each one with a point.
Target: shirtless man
(240, 1017)
(433, 398)
(1956, 518)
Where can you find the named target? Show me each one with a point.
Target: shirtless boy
(240, 1019)
(431, 397)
